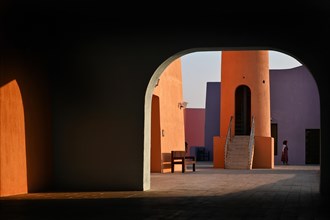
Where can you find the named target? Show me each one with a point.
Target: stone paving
(285, 192)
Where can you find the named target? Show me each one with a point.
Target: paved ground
(285, 192)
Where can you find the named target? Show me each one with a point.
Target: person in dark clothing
(285, 153)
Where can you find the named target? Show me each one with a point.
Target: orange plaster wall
(13, 170)
(31, 92)
(250, 68)
(155, 136)
(263, 152)
(169, 91)
(219, 152)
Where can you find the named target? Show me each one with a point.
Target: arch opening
(242, 110)
(242, 96)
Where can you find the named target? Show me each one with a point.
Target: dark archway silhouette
(242, 110)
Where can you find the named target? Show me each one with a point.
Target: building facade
(167, 123)
(295, 114)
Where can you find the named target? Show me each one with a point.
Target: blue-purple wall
(212, 115)
(295, 107)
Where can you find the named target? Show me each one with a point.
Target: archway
(242, 99)
(242, 110)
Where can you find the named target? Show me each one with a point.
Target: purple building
(212, 115)
(295, 115)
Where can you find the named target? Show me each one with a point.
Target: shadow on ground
(296, 200)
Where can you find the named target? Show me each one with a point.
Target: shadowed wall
(96, 69)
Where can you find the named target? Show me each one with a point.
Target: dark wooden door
(312, 143)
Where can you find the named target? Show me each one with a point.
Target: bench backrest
(177, 153)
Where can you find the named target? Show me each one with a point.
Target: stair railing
(228, 138)
(251, 145)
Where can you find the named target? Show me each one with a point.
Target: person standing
(285, 153)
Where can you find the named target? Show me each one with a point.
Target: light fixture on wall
(182, 105)
(157, 82)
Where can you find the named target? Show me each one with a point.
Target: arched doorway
(242, 107)
(242, 110)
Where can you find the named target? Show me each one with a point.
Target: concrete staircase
(238, 153)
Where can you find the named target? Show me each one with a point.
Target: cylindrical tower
(245, 93)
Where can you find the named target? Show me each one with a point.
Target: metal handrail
(228, 138)
(251, 144)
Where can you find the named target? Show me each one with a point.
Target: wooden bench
(166, 162)
(179, 157)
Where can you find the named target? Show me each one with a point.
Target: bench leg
(183, 166)
(194, 167)
(172, 167)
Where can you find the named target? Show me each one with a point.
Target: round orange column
(250, 69)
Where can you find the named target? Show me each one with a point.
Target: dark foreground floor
(286, 192)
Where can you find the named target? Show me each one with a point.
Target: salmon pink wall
(169, 91)
(195, 127)
(13, 171)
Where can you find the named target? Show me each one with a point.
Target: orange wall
(263, 152)
(169, 91)
(218, 152)
(155, 136)
(250, 68)
(33, 92)
(13, 171)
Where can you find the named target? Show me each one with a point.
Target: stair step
(238, 163)
(237, 153)
(237, 167)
